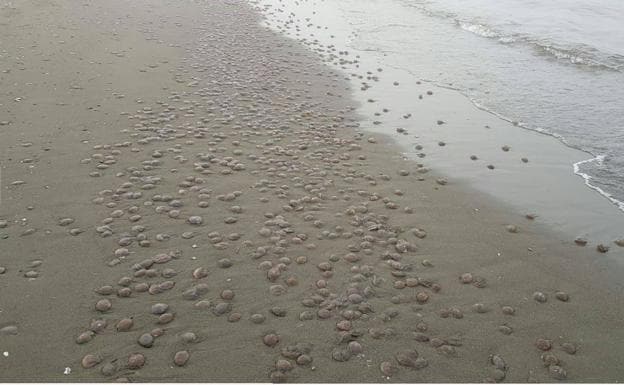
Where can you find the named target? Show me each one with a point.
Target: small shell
(136, 361)
(159, 308)
(103, 305)
(540, 297)
(421, 337)
(498, 362)
(195, 220)
(407, 357)
(388, 368)
(90, 360)
(543, 344)
(181, 358)
(222, 308)
(105, 290)
(165, 318)
(146, 340)
(188, 337)
(124, 325)
(568, 347)
(466, 278)
(422, 297)
(549, 359)
(557, 372)
(508, 310)
(200, 272)
(283, 365)
(344, 325)
(355, 347)
(341, 355)
(304, 359)
(271, 340)
(85, 337)
(562, 296)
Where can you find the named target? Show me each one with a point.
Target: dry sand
(186, 197)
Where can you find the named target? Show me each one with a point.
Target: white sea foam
(587, 178)
(508, 30)
(479, 29)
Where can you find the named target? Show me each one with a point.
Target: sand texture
(186, 196)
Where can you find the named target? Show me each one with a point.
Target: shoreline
(575, 165)
(572, 209)
(199, 203)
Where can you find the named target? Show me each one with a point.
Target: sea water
(556, 66)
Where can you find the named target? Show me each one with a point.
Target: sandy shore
(186, 196)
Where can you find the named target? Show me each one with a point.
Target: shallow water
(572, 58)
(584, 32)
(552, 66)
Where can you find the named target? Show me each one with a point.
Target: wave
(599, 159)
(587, 178)
(578, 54)
(479, 29)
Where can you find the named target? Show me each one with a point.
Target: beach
(187, 194)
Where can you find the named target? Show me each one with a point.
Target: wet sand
(186, 196)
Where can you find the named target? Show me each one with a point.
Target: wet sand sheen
(220, 217)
